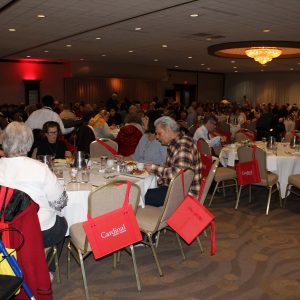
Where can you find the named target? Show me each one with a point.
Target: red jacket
(31, 257)
(127, 139)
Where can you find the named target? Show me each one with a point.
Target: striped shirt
(182, 153)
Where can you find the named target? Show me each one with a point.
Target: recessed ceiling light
(103, 54)
(130, 51)
(292, 69)
(98, 38)
(236, 71)
(164, 46)
(194, 15)
(81, 59)
(41, 16)
(298, 63)
(28, 56)
(137, 28)
(189, 57)
(202, 64)
(266, 30)
(12, 29)
(235, 67)
(207, 69)
(176, 66)
(155, 59)
(208, 39)
(46, 51)
(233, 61)
(69, 45)
(262, 70)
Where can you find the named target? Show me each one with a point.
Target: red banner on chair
(248, 172)
(190, 219)
(108, 147)
(114, 230)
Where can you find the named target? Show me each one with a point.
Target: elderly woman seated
(35, 179)
(149, 149)
(50, 144)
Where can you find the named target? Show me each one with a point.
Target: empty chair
(222, 175)
(268, 179)
(97, 149)
(153, 219)
(208, 181)
(102, 200)
(293, 181)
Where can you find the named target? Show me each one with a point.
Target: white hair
(17, 139)
(167, 122)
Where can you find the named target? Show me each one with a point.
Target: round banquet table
(283, 162)
(78, 192)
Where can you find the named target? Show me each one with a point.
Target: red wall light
(30, 70)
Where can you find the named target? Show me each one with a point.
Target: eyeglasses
(52, 133)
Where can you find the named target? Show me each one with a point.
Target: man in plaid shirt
(182, 152)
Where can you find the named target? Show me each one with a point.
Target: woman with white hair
(35, 179)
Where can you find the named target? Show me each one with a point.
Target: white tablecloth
(77, 207)
(285, 163)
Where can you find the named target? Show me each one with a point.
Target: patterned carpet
(258, 257)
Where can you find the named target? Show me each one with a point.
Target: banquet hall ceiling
(79, 23)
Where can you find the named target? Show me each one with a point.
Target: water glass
(85, 175)
(73, 174)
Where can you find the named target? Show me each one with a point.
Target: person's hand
(148, 168)
(2, 154)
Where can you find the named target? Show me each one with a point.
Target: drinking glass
(73, 174)
(85, 175)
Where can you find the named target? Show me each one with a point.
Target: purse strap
(127, 192)
(107, 147)
(182, 181)
(5, 196)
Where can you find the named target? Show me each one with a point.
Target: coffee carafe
(271, 142)
(79, 160)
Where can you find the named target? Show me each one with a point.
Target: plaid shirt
(182, 152)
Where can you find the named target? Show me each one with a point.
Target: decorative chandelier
(263, 54)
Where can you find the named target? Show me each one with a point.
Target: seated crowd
(162, 134)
